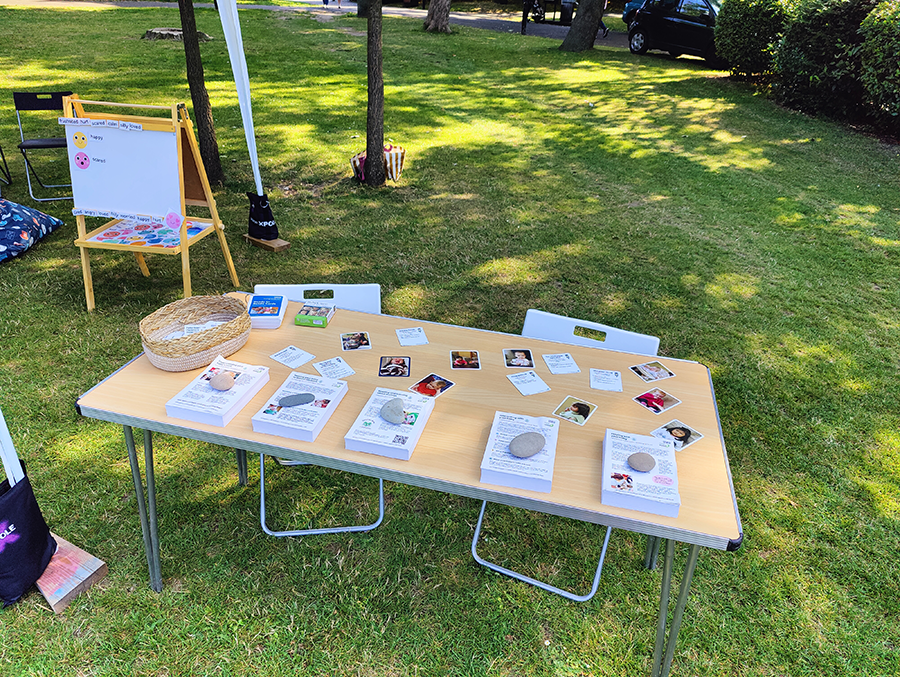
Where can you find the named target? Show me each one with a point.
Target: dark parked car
(675, 26)
(631, 8)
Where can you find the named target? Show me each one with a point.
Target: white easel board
(127, 170)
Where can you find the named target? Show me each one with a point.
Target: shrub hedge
(879, 58)
(746, 32)
(817, 60)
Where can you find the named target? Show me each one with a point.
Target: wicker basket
(196, 350)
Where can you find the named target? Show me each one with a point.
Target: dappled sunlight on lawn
(729, 289)
(880, 478)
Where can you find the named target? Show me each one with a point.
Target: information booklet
(266, 312)
(319, 397)
(500, 467)
(201, 403)
(654, 490)
(374, 435)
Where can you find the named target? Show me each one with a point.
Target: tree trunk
(375, 174)
(583, 32)
(206, 131)
(438, 18)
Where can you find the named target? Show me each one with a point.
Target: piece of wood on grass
(276, 245)
(70, 572)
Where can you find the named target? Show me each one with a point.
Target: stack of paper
(372, 434)
(201, 403)
(500, 467)
(654, 490)
(303, 421)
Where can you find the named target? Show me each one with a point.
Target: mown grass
(647, 193)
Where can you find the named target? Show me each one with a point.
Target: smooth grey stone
(526, 444)
(295, 400)
(222, 381)
(392, 411)
(642, 462)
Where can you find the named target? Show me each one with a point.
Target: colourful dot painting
(128, 232)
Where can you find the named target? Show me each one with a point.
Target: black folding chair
(4, 170)
(40, 101)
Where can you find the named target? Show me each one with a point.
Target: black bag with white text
(262, 222)
(26, 545)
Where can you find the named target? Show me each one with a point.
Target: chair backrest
(365, 298)
(539, 324)
(11, 463)
(39, 100)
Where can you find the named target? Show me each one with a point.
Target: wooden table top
(449, 453)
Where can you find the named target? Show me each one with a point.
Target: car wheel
(637, 41)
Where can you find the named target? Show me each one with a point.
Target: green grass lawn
(643, 192)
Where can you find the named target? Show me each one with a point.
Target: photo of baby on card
(464, 359)
(657, 400)
(680, 433)
(393, 365)
(517, 358)
(651, 371)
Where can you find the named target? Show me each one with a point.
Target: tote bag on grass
(26, 545)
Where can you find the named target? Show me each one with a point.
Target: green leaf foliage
(880, 61)
(818, 58)
(746, 31)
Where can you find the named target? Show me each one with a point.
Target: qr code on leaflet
(400, 439)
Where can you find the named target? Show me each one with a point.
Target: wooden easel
(194, 190)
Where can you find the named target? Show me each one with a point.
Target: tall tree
(583, 32)
(438, 18)
(206, 131)
(375, 174)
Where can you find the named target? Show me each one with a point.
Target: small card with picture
(680, 433)
(651, 371)
(657, 400)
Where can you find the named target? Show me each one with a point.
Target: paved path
(504, 23)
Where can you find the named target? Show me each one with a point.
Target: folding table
(448, 456)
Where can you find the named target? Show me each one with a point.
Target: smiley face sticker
(82, 161)
(79, 139)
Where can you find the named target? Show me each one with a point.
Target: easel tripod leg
(223, 243)
(186, 270)
(88, 280)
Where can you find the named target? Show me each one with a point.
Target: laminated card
(499, 466)
(626, 482)
(302, 421)
(374, 435)
(201, 403)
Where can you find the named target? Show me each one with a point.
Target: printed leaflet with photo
(500, 467)
(302, 422)
(201, 403)
(655, 491)
(372, 434)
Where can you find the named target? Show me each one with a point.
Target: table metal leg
(147, 516)
(661, 667)
(156, 573)
(651, 554)
(241, 456)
